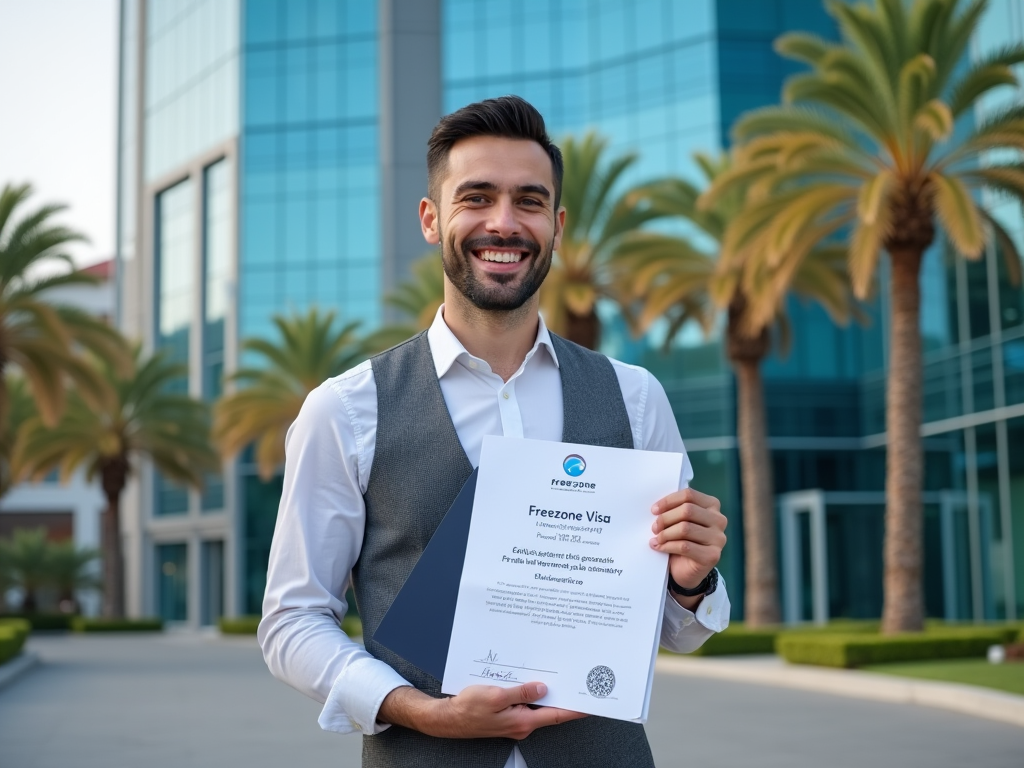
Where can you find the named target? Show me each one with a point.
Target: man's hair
(510, 117)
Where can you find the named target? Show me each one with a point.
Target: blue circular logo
(574, 465)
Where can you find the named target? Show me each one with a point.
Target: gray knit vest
(418, 468)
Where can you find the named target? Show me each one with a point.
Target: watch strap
(706, 587)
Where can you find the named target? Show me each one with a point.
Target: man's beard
(497, 291)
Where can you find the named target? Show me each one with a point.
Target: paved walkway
(185, 700)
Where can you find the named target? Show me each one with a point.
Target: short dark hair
(510, 117)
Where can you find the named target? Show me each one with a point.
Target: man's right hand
(480, 711)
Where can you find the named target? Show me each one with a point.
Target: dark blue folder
(418, 625)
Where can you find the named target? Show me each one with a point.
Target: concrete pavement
(187, 700)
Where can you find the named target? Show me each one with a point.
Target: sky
(58, 80)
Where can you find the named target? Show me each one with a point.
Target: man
(379, 453)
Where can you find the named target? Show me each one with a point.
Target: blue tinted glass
(360, 17)
(171, 579)
(298, 20)
(175, 259)
(191, 81)
(170, 498)
(261, 104)
(327, 18)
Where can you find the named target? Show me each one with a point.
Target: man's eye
(476, 199)
(531, 201)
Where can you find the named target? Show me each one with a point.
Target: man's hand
(690, 527)
(480, 711)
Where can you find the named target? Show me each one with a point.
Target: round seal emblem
(574, 465)
(600, 681)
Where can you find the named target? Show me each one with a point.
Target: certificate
(560, 584)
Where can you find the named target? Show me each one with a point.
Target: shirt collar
(446, 348)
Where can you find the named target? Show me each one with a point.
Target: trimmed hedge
(352, 626)
(13, 633)
(91, 624)
(738, 640)
(238, 625)
(247, 625)
(42, 621)
(855, 650)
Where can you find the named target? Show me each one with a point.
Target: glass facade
(289, 90)
(310, 178)
(127, 120)
(191, 89)
(218, 247)
(175, 296)
(212, 553)
(172, 581)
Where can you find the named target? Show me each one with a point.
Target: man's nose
(503, 220)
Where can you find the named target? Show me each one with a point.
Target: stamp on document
(600, 681)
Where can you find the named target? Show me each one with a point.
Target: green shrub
(238, 625)
(13, 633)
(247, 625)
(738, 639)
(42, 621)
(91, 624)
(352, 626)
(855, 650)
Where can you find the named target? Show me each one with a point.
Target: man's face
(495, 220)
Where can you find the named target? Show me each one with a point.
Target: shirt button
(505, 395)
(709, 610)
(472, 364)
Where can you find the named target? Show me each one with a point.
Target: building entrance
(831, 555)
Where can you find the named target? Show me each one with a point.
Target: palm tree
(310, 351)
(598, 214)
(69, 569)
(21, 407)
(865, 140)
(37, 336)
(138, 418)
(26, 558)
(418, 299)
(677, 280)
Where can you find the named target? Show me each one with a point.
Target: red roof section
(104, 270)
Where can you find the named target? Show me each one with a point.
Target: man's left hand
(690, 527)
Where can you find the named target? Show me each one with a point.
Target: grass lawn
(1004, 677)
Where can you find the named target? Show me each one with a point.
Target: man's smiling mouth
(500, 256)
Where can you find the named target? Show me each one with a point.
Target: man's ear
(428, 221)
(559, 227)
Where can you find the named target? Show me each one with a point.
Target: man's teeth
(504, 256)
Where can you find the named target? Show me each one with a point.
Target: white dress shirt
(320, 522)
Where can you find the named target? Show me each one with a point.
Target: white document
(560, 584)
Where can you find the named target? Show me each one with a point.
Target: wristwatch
(706, 587)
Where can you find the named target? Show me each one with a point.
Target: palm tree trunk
(761, 602)
(903, 606)
(114, 475)
(585, 330)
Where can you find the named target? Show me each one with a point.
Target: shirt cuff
(684, 631)
(356, 696)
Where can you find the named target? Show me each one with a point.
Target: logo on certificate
(600, 681)
(574, 465)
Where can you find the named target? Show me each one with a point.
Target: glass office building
(270, 158)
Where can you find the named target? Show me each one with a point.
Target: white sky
(58, 85)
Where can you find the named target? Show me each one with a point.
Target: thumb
(525, 694)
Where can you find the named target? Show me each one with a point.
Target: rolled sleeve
(684, 631)
(355, 699)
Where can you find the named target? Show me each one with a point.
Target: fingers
(686, 495)
(689, 513)
(521, 694)
(692, 532)
(701, 554)
(552, 716)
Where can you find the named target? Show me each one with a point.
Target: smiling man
(379, 453)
